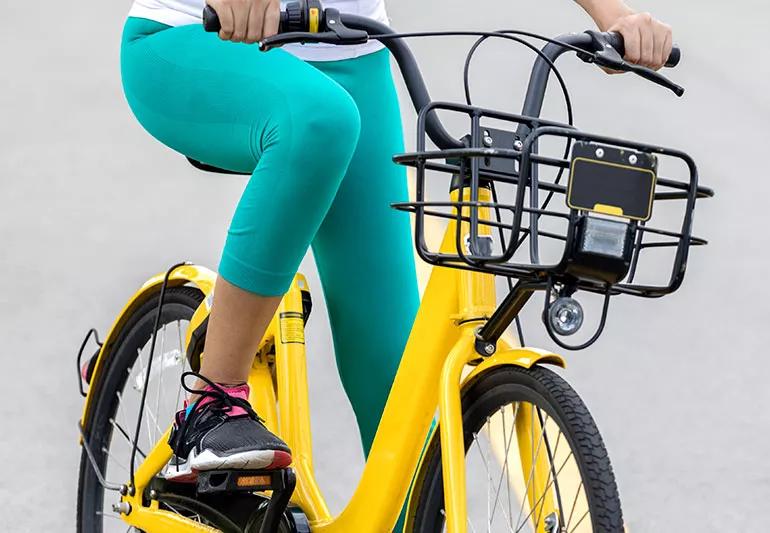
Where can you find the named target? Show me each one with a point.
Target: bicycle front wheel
(535, 461)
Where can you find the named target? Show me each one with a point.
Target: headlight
(604, 237)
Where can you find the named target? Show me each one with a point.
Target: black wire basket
(594, 209)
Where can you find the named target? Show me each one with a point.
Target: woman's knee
(325, 123)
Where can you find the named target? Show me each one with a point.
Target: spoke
(545, 439)
(548, 486)
(174, 509)
(551, 460)
(184, 359)
(125, 434)
(574, 503)
(149, 435)
(120, 409)
(535, 454)
(507, 449)
(485, 459)
(155, 421)
(554, 482)
(533, 464)
(489, 474)
(114, 459)
(508, 470)
(145, 383)
(160, 364)
(579, 521)
(489, 477)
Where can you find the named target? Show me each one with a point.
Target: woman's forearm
(605, 12)
(647, 40)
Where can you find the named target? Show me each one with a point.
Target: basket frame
(465, 167)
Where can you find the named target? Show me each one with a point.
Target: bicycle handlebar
(604, 49)
(615, 40)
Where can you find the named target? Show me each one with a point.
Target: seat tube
(293, 398)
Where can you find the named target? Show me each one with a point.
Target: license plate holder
(612, 181)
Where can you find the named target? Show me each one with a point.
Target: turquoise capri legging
(317, 139)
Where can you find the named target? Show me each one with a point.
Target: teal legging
(317, 139)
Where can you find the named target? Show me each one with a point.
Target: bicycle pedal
(217, 481)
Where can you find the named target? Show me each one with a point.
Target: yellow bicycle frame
(432, 373)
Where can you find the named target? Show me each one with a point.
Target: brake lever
(337, 33)
(606, 56)
(654, 77)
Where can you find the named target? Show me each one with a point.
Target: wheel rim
(504, 494)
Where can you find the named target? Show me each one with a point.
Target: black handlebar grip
(212, 24)
(616, 41)
(675, 57)
(211, 20)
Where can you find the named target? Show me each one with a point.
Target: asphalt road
(92, 206)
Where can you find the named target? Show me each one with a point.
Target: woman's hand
(648, 41)
(247, 21)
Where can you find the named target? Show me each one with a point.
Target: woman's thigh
(218, 102)
(232, 106)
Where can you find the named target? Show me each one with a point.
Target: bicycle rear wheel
(116, 399)
(535, 461)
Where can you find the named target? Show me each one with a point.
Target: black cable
(481, 34)
(158, 313)
(551, 64)
(568, 103)
(509, 34)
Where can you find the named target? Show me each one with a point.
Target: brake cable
(158, 313)
(511, 35)
(568, 103)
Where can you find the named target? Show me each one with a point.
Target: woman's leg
(363, 249)
(234, 107)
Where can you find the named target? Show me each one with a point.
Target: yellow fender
(523, 357)
(196, 275)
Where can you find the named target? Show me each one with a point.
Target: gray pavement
(92, 206)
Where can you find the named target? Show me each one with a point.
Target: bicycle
(532, 431)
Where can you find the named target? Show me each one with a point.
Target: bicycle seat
(210, 168)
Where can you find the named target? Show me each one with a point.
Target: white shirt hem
(306, 52)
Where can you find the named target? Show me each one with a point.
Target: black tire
(179, 304)
(547, 391)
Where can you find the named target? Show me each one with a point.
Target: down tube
(408, 414)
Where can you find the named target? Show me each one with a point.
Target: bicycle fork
(476, 303)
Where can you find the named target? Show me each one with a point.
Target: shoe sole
(249, 460)
(208, 460)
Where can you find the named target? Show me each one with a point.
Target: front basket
(514, 212)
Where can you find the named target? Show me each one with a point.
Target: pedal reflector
(241, 480)
(253, 481)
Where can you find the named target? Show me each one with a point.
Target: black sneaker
(221, 431)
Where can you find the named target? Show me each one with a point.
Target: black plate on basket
(613, 181)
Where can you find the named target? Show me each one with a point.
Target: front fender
(523, 357)
(197, 275)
